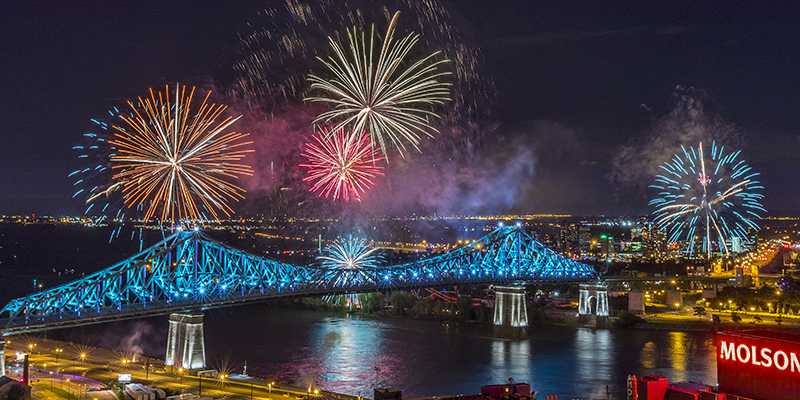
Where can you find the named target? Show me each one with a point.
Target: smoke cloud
(691, 121)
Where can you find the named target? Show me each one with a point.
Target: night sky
(581, 89)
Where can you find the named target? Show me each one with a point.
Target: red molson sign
(759, 364)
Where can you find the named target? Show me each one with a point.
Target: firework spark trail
(173, 158)
(351, 261)
(376, 96)
(692, 197)
(283, 38)
(341, 164)
(92, 181)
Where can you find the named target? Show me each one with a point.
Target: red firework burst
(341, 164)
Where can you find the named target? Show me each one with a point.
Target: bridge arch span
(189, 270)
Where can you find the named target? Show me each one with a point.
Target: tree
(715, 319)
(700, 311)
(403, 303)
(779, 320)
(483, 313)
(736, 318)
(373, 302)
(464, 304)
(757, 319)
(626, 319)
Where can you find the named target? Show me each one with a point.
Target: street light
(180, 371)
(58, 351)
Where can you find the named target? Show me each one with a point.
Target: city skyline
(578, 90)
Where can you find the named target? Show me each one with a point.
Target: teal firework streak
(93, 183)
(709, 197)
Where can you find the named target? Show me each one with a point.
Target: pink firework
(341, 164)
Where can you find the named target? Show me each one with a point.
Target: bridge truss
(190, 270)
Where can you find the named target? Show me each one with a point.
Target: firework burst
(275, 51)
(341, 164)
(710, 197)
(382, 97)
(175, 161)
(351, 261)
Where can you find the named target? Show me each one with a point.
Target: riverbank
(663, 319)
(685, 322)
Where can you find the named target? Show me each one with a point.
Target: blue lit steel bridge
(190, 270)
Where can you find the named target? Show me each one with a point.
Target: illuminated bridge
(191, 271)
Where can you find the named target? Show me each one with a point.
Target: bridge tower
(185, 345)
(2, 357)
(598, 292)
(510, 312)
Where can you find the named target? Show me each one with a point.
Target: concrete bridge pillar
(510, 313)
(185, 345)
(598, 293)
(636, 303)
(2, 357)
(674, 299)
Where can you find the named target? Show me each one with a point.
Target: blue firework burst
(351, 261)
(707, 197)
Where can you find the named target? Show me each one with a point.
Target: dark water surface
(350, 354)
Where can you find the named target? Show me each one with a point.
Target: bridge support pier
(636, 302)
(599, 293)
(674, 299)
(510, 313)
(185, 345)
(2, 357)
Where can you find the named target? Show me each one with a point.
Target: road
(72, 369)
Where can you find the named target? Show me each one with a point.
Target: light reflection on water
(425, 358)
(649, 355)
(594, 355)
(677, 352)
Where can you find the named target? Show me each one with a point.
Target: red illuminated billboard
(760, 365)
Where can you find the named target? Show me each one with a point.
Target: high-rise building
(569, 239)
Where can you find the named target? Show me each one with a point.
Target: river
(352, 354)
